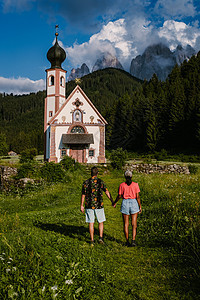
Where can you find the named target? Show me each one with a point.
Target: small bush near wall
(118, 158)
(28, 155)
(68, 163)
(52, 172)
(26, 170)
(193, 169)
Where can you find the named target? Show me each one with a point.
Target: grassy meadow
(45, 251)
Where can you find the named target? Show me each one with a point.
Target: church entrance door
(77, 152)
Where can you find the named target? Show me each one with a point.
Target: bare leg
(134, 225)
(101, 230)
(126, 225)
(91, 230)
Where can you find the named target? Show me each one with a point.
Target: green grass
(45, 251)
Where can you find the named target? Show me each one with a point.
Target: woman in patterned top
(131, 205)
(92, 195)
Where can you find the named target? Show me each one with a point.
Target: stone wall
(156, 168)
(6, 173)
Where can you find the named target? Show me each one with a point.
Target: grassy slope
(44, 236)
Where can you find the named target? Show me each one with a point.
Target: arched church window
(51, 80)
(62, 81)
(77, 129)
(77, 116)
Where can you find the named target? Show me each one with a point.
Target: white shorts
(91, 213)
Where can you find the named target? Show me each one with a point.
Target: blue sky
(86, 29)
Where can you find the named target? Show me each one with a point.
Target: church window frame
(51, 80)
(62, 81)
(63, 152)
(50, 113)
(77, 130)
(91, 152)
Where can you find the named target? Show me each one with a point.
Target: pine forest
(142, 116)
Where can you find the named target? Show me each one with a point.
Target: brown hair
(94, 171)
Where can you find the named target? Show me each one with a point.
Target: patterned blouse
(93, 190)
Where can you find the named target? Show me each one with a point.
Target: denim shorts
(91, 213)
(129, 206)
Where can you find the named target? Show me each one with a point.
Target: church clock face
(77, 129)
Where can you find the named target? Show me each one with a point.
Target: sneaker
(101, 241)
(127, 244)
(133, 243)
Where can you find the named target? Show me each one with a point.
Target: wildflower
(43, 289)
(54, 287)
(8, 270)
(69, 281)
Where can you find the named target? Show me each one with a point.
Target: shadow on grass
(77, 232)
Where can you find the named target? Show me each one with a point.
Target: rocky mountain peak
(182, 54)
(159, 59)
(79, 72)
(107, 60)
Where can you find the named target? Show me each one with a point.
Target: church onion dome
(56, 55)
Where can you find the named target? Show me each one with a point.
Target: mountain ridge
(156, 59)
(159, 59)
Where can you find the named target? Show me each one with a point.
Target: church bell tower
(55, 88)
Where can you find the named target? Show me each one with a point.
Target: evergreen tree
(3, 144)
(151, 133)
(177, 102)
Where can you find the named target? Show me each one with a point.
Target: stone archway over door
(77, 152)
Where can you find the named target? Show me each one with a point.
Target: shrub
(193, 169)
(52, 172)
(68, 163)
(28, 155)
(147, 159)
(25, 170)
(118, 158)
(162, 155)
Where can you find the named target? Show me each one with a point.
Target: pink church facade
(72, 126)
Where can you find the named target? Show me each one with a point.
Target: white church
(72, 126)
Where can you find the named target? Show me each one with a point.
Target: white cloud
(175, 8)
(179, 33)
(119, 38)
(20, 85)
(127, 38)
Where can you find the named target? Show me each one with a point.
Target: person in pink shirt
(131, 205)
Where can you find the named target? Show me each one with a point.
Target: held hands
(114, 204)
(116, 200)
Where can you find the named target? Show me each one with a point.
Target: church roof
(78, 88)
(77, 138)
